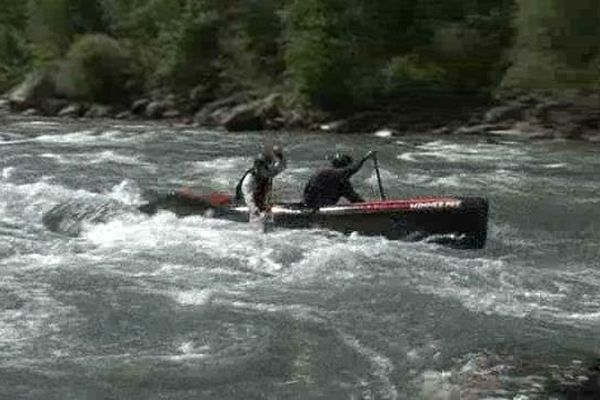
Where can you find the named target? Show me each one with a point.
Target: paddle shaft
(381, 193)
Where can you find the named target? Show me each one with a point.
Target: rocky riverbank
(573, 115)
(568, 115)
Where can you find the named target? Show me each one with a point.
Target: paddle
(381, 193)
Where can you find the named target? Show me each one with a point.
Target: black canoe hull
(460, 221)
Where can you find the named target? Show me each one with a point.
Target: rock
(30, 112)
(171, 98)
(36, 87)
(543, 108)
(156, 109)
(518, 133)
(244, 117)
(171, 114)
(52, 106)
(124, 115)
(478, 129)
(582, 386)
(443, 130)
(138, 107)
(99, 111)
(4, 104)
(200, 95)
(253, 116)
(592, 136)
(215, 110)
(510, 112)
(73, 110)
(295, 120)
(270, 106)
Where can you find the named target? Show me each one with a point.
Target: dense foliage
(329, 54)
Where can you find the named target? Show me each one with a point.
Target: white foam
(194, 297)
(382, 366)
(126, 192)
(83, 136)
(466, 153)
(222, 164)
(408, 156)
(52, 156)
(384, 133)
(554, 166)
(7, 172)
(37, 124)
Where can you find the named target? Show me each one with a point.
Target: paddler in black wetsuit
(255, 187)
(329, 184)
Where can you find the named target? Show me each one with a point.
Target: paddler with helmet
(256, 184)
(329, 184)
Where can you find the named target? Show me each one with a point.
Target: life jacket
(239, 195)
(262, 189)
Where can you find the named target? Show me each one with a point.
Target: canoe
(456, 221)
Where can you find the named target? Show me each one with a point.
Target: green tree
(53, 24)
(190, 46)
(97, 68)
(557, 44)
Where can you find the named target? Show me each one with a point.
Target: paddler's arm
(354, 168)
(351, 195)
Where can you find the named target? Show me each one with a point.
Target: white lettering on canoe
(436, 204)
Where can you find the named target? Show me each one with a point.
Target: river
(157, 307)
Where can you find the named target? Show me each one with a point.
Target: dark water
(164, 308)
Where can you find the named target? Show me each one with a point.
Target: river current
(142, 307)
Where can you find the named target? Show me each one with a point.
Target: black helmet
(277, 151)
(262, 164)
(340, 160)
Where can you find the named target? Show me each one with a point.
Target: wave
(70, 217)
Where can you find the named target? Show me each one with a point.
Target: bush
(473, 52)
(190, 47)
(408, 74)
(14, 57)
(318, 53)
(53, 24)
(97, 68)
(557, 43)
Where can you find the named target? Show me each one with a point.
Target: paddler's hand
(371, 154)
(266, 216)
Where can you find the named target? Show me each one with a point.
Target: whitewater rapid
(160, 307)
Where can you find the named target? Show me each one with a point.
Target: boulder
(295, 120)
(443, 130)
(256, 115)
(156, 109)
(200, 95)
(138, 107)
(99, 111)
(215, 110)
(52, 106)
(244, 117)
(171, 114)
(30, 112)
(73, 110)
(479, 129)
(124, 115)
(36, 87)
(508, 112)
